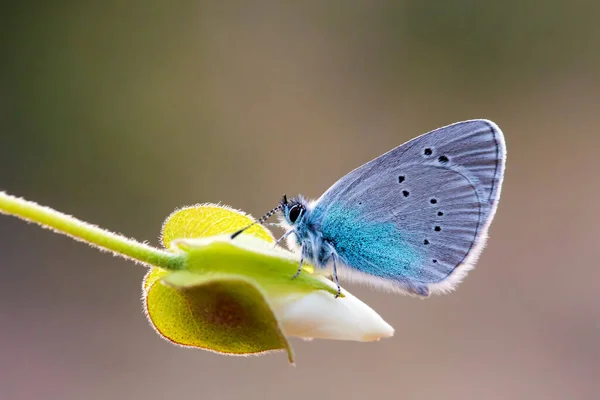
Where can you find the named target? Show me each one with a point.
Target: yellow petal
(223, 313)
(209, 220)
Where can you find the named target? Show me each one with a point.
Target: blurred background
(119, 112)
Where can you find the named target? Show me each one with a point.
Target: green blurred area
(98, 93)
(119, 112)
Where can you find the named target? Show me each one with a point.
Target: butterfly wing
(416, 218)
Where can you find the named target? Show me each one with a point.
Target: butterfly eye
(295, 213)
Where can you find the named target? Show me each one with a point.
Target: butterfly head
(293, 210)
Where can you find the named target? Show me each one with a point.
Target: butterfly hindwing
(415, 218)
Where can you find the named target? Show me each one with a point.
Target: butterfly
(413, 220)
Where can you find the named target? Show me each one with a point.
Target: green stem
(91, 234)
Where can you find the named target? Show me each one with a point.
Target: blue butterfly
(413, 220)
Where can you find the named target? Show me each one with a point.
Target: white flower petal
(320, 315)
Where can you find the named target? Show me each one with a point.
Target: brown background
(118, 112)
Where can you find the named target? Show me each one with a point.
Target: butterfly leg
(335, 277)
(301, 261)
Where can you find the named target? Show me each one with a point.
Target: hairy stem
(82, 231)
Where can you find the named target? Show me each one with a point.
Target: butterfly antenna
(261, 220)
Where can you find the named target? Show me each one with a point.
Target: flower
(238, 296)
